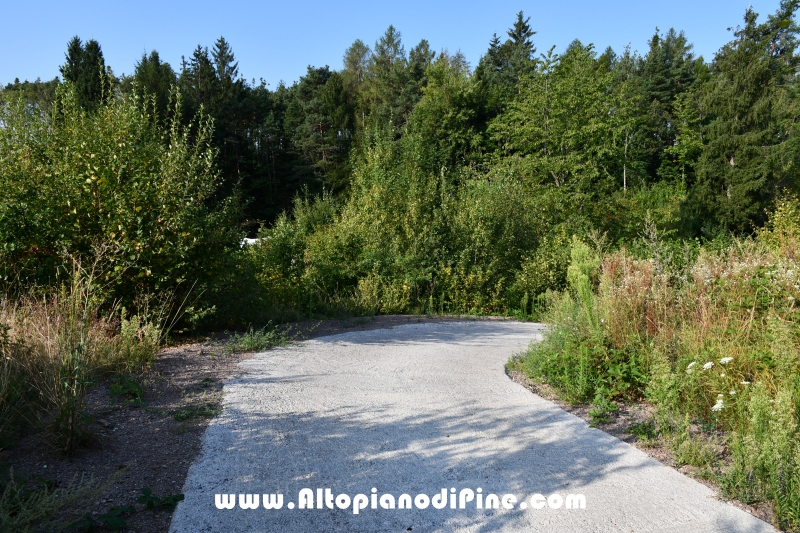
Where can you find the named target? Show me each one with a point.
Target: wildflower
(725, 360)
(719, 405)
(689, 368)
(708, 365)
(745, 383)
(733, 393)
(722, 375)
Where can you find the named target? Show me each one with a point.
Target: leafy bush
(409, 240)
(114, 179)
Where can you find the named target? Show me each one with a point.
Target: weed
(28, 507)
(138, 342)
(601, 410)
(55, 343)
(126, 388)
(152, 502)
(646, 432)
(258, 339)
(708, 334)
(191, 412)
(695, 451)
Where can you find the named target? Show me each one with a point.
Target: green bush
(114, 180)
(409, 240)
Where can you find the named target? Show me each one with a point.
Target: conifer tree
(156, 79)
(86, 69)
(750, 108)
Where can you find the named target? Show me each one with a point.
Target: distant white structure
(251, 242)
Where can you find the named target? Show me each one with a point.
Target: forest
(643, 204)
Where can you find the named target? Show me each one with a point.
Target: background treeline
(406, 181)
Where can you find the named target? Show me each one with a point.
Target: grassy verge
(712, 340)
(54, 344)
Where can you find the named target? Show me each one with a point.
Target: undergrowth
(710, 337)
(56, 343)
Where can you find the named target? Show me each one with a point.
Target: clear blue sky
(277, 40)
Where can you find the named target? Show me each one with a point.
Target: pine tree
(224, 61)
(520, 48)
(71, 70)
(667, 71)
(504, 65)
(319, 122)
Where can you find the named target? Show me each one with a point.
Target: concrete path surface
(414, 410)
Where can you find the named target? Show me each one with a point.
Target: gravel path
(413, 410)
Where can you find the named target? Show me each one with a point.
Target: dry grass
(54, 343)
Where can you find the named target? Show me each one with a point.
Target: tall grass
(710, 336)
(54, 343)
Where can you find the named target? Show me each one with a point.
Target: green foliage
(259, 339)
(39, 94)
(559, 124)
(155, 79)
(504, 64)
(85, 68)
(710, 336)
(582, 268)
(601, 409)
(113, 180)
(646, 432)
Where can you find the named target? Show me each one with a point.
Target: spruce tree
(750, 108)
(156, 79)
(86, 69)
(71, 70)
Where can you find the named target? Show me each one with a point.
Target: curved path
(415, 409)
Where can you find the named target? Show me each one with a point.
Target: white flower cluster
(719, 405)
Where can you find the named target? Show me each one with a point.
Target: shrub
(114, 179)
